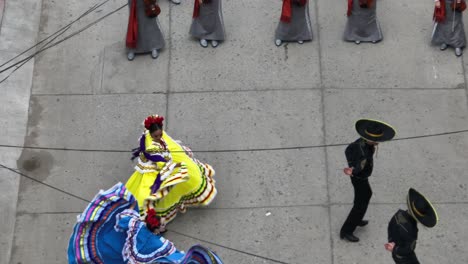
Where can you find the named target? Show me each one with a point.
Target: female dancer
(168, 178)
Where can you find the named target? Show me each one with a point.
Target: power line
(23, 62)
(46, 46)
(58, 32)
(179, 233)
(232, 249)
(229, 150)
(45, 184)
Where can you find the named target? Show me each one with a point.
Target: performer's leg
(362, 198)
(362, 194)
(349, 224)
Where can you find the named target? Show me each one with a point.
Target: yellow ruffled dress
(184, 181)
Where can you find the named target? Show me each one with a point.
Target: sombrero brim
(430, 217)
(388, 132)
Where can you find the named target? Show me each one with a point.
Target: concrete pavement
(272, 206)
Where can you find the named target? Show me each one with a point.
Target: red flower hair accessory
(153, 119)
(152, 220)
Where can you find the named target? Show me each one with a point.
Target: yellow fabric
(139, 185)
(189, 185)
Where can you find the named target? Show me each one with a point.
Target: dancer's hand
(437, 4)
(389, 246)
(348, 171)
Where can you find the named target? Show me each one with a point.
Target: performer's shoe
(154, 53)
(130, 55)
(458, 52)
(374, 41)
(278, 42)
(357, 42)
(443, 46)
(175, 2)
(203, 43)
(214, 43)
(349, 237)
(300, 41)
(363, 223)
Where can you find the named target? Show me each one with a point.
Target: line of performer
(144, 34)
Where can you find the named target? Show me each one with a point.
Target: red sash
(196, 9)
(286, 11)
(367, 3)
(132, 29)
(439, 13)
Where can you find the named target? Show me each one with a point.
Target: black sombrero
(421, 208)
(374, 130)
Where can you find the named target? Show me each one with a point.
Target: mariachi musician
(448, 25)
(403, 229)
(208, 24)
(359, 155)
(294, 24)
(144, 33)
(362, 24)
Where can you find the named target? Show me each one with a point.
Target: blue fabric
(109, 219)
(198, 254)
(109, 232)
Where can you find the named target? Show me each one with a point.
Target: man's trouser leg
(362, 195)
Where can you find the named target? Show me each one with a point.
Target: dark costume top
(360, 156)
(403, 231)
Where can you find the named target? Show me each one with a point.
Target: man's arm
(355, 158)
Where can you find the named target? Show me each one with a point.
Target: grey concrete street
(284, 205)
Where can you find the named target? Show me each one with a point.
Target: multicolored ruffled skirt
(192, 184)
(110, 231)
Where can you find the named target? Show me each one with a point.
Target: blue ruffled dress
(109, 232)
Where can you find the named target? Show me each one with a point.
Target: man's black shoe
(363, 223)
(349, 237)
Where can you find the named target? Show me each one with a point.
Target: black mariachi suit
(403, 231)
(360, 156)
